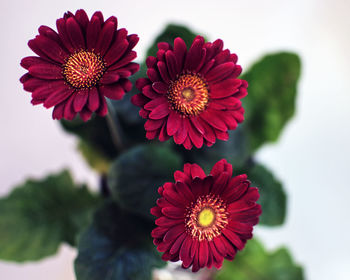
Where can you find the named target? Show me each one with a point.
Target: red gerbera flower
(76, 68)
(191, 95)
(204, 219)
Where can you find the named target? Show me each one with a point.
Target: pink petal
(80, 99)
(114, 91)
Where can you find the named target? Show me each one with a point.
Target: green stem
(114, 128)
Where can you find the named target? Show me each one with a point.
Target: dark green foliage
(117, 246)
(271, 96)
(234, 150)
(38, 215)
(254, 263)
(135, 176)
(168, 35)
(272, 196)
(95, 133)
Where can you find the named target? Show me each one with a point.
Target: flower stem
(114, 128)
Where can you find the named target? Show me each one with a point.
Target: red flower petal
(195, 54)
(185, 252)
(220, 72)
(110, 77)
(173, 233)
(155, 103)
(116, 51)
(74, 33)
(57, 112)
(174, 122)
(80, 100)
(181, 134)
(225, 88)
(92, 32)
(160, 87)
(50, 33)
(114, 91)
(166, 222)
(124, 60)
(82, 18)
(153, 124)
(175, 248)
(233, 238)
(173, 212)
(85, 114)
(62, 33)
(69, 112)
(182, 177)
(159, 232)
(58, 96)
(133, 40)
(180, 51)
(163, 70)
(153, 75)
(171, 64)
(94, 100)
(105, 38)
(50, 48)
(195, 136)
(103, 109)
(213, 120)
(46, 70)
(160, 112)
(203, 253)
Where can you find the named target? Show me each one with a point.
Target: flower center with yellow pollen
(83, 69)
(206, 217)
(188, 94)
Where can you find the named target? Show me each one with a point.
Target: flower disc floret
(83, 69)
(188, 94)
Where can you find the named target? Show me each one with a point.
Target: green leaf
(38, 215)
(254, 263)
(95, 136)
(169, 34)
(235, 150)
(94, 133)
(132, 125)
(117, 246)
(271, 96)
(135, 176)
(94, 158)
(272, 196)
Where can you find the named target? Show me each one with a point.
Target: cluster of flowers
(191, 94)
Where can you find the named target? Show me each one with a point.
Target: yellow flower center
(83, 69)
(206, 217)
(188, 94)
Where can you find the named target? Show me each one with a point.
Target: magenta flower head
(80, 65)
(192, 95)
(203, 219)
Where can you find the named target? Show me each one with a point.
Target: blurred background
(310, 158)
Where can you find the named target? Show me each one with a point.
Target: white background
(311, 158)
